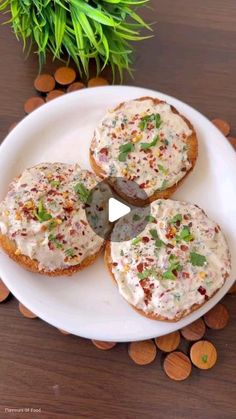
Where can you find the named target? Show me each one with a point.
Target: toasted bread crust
(32, 265)
(192, 151)
(152, 316)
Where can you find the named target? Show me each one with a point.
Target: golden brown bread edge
(32, 265)
(152, 316)
(192, 150)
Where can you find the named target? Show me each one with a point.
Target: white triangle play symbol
(116, 209)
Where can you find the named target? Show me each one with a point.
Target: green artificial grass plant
(83, 29)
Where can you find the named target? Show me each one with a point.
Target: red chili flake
(185, 274)
(145, 239)
(115, 264)
(113, 135)
(133, 132)
(122, 126)
(161, 295)
(104, 151)
(186, 217)
(161, 147)
(33, 190)
(169, 234)
(140, 267)
(216, 230)
(60, 236)
(183, 247)
(142, 186)
(202, 290)
(83, 222)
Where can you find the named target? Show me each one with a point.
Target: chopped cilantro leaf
(177, 217)
(55, 183)
(173, 266)
(196, 259)
(136, 240)
(124, 150)
(52, 238)
(41, 214)
(168, 275)
(162, 169)
(184, 235)
(70, 252)
(82, 192)
(153, 233)
(156, 118)
(52, 225)
(146, 273)
(145, 146)
(158, 242)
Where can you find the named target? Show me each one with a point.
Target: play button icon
(116, 209)
(104, 208)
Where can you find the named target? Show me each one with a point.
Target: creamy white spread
(180, 259)
(144, 142)
(44, 214)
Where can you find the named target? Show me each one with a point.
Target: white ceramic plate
(88, 304)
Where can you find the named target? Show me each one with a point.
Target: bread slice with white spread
(175, 265)
(43, 220)
(147, 141)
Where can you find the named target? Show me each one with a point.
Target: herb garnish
(150, 118)
(70, 252)
(196, 259)
(82, 192)
(184, 235)
(41, 214)
(204, 358)
(158, 241)
(145, 146)
(55, 183)
(146, 273)
(176, 218)
(162, 169)
(136, 240)
(124, 150)
(52, 238)
(52, 225)
(173, 266)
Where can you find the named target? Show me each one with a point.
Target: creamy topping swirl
(145, 142)
(180, 259)
(44, 213)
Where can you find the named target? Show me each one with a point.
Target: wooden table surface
(193, 58)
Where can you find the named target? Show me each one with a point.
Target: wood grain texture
(192, 57)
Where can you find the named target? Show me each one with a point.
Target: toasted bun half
(165, 281)
(43, 219)
(32, 265)
(99, 144)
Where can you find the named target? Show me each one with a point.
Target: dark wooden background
(192, 57)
